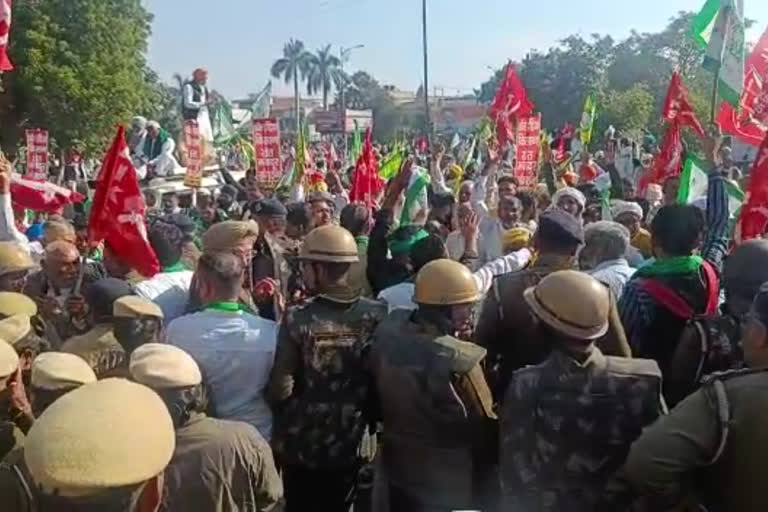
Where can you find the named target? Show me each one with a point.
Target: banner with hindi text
(266, 145)
(194, 175)
(37, 154)
(528, 146)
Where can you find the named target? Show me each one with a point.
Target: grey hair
(153, 124)
(609, 239)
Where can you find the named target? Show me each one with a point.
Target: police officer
(319, 385)
(567, 423)
(136, 321)
(15, 265)
(10, 435)
(54, 374)
(711, 449)
(435, 403)
(116, 438)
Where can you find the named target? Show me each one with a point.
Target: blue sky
(237, 40)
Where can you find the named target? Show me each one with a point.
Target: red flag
(749, 125)
(677, 106)
(41, 196)
(118, 215)
(366, 183)
(511, 102)
(5, 31)
(669, 162)
(332, 157)
(754, 212)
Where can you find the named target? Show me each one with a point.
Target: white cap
(58, 370)
(162, 366)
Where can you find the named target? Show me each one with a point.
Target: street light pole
(428, 127)
(343, 57)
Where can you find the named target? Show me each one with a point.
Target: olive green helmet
(445, 282)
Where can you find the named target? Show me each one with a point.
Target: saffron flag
(720, 28)
(750, 124)
(118, 214)
(754, 212)
(677, 106)
(511, 102)
(5, 32)
(366, 183)
(588, 119)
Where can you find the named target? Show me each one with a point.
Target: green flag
(221, 121)
(415, 196)
(357, 145)
(719, 27)
(302, 154)
(694, 183)
(261, 103)
(392, 164)
(588, 119)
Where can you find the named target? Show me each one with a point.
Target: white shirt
(400, 296)
(614, 274)
(235, 351)
(169, 290)
(8, 231)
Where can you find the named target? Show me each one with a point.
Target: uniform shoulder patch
(646, 367)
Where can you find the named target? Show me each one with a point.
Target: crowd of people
(533, 349)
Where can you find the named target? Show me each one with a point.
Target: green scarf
(362, 241)
(228, 307)
(401, 246)
(680, 266)
(176, 267)
(153, 147)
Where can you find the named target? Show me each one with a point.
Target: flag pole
(726, 28)
(428, 127)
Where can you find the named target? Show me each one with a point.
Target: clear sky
(237, 40)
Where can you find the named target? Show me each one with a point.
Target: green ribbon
(679, 266)
(401, 246)
(176, 267)
(228, 307)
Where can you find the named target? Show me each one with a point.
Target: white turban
(622, 207)
(571, 192)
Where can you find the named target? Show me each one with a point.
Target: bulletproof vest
(427, 438)
(583, 423)
(197, 94)
(325, 418)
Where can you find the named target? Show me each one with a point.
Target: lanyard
(229, 307)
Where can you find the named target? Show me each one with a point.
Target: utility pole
(428, 127)
(343, 57)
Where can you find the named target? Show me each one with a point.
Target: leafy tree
(631, 110)
(324, 73)
(80, 70)
(293, 66)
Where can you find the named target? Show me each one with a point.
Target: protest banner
(194, 175)
(528, 145)
(37, 154)
(266, 145)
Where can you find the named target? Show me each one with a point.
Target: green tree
(631, 110)
(324, 73)
(293, 66)
(80, 70)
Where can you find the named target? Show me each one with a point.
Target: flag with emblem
(754, 214)
(5, 32)
(41, 195)
(588, 119)
(119, 215)
(694, 183)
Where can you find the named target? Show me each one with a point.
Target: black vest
(197, 94)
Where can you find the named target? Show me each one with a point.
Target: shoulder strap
(713, 287)
(704, 343)
(668, 298)
(724, 417)
(497, 296)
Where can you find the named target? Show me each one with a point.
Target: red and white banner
(37, 153)
(5, 31)
(528, 145)
(266, 145)
(194, 175)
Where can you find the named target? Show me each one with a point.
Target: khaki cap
(223, 236)
(12, 303)
(445, 282)
(573, 303)
(329, 243)
(162, 366)
(108, 434)
(58, 370)
(9, 360)
(131, 306)
(13, 258)
(14, 328)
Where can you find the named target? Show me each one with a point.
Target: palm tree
(324, 73)
(294, 62)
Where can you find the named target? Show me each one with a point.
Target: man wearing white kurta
(195, 103)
